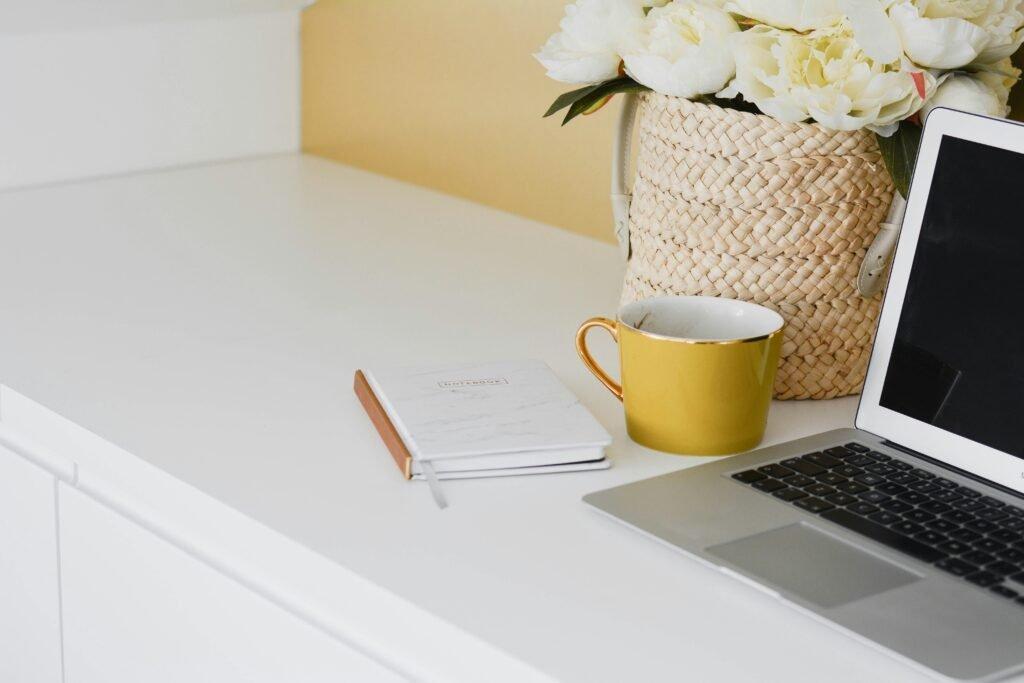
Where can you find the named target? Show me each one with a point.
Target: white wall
(134, 86)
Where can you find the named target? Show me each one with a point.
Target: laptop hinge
(950, 468)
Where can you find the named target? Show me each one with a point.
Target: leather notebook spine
(380, 420)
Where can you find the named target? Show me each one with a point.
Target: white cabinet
(29, 603)
(137, 608)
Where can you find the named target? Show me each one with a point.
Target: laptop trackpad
(813, 565)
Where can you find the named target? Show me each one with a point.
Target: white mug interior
(700, 318)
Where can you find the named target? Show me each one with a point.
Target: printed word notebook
(481, 420)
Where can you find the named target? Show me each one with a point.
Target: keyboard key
(799, 481)
(868, 479)
(969, 505)
(1012, 555)
(851, 487)
(956, 567)
(768, 485)
(1005, 535)
(803, 467)
(890, 489)
(923, 486)
(841, 499)
(813, 504)
(946, 496)
(1004, 591)
(777, 471)
(859, 460)
(883, 517)
(902, 478)
(1002, 567)
(848, 470)
(901, 465)
(749, 477)
(930, 537)
(954, 547)
(873, 497)
(935, 507)
(881, 469)
(864, 509)
(822, 460)
(988, 545)
(840, 451)
(908, 528)
(991, 514)
(982, 525)
(984, 578)
(895, 505)
(1015, 511)
(941, 525)
(958, 516)
(945, 483)
(919, 516)
(992, 502)
(883, 535)
(965, 535)
(858, 447)
(977, 557)
(831, 478)
(819, 490)
(922, 474)
(879, 457)
(967, 492)
(789, 494)
(913, 497)
(1013, 523)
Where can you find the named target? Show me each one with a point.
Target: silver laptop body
(938, 408)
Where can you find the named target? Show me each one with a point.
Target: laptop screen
(958, 357)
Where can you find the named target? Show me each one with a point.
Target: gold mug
(697, 372)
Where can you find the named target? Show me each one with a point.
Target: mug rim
(688, 340)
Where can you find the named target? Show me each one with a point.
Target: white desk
(209, 320)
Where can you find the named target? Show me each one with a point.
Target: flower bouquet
(776, 138)
(879, 65)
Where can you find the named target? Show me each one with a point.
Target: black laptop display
(958, 357)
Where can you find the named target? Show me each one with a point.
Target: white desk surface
(209, 320)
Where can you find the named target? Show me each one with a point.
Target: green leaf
(567, 98)
(899, 151)
(590, 101)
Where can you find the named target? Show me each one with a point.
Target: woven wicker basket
(733, 204)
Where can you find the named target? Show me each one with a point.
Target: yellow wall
(445, 93)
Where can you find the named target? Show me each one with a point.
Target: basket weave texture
(739, 205)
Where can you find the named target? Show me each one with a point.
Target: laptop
(906, 530)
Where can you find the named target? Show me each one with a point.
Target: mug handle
(588, 360)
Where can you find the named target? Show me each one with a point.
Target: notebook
(481, 420)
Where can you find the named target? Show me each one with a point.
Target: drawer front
(137, 608)
(29, 604)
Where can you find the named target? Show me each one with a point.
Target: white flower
(823, 75)
(947, 34)
(799, 15)
(867, 18)
(966, 93)
(1001, 77)
(682, 49)
(587, 48)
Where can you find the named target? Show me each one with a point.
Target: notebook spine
(381, 421)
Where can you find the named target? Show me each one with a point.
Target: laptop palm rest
(812, 565)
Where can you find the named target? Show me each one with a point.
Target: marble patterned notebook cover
(473, 410)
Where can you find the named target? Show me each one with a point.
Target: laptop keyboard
(956, 528)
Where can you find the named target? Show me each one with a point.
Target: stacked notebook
(481, 420)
